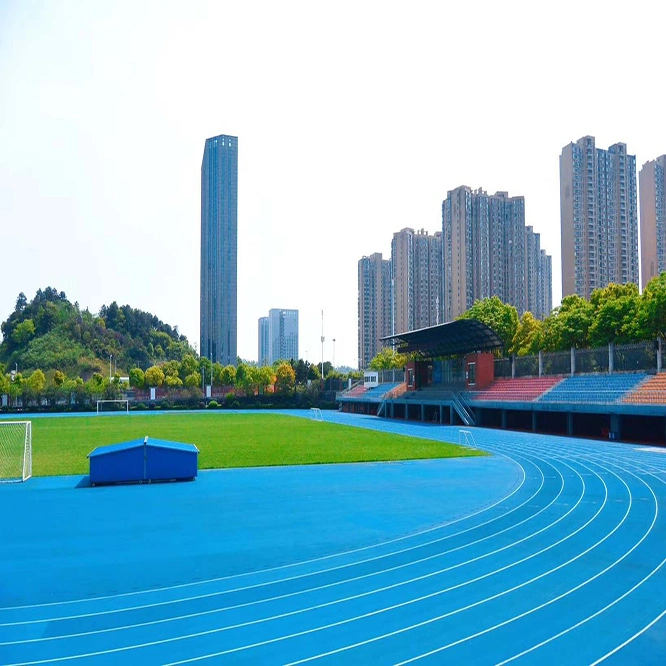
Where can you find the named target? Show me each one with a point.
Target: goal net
(466, 439)
(113, 406)
(15, 451)
(315, 414)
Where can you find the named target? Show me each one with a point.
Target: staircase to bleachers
(652, 391)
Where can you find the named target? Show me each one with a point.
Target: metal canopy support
(455, 338)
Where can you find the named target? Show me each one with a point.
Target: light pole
(322, 346)
(333, 354)
(110, 357)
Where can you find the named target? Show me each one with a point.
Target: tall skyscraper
(485, 251)
(416, 275)
(219, 247)
(282, 335)
(652, 183)
(374, 306)
(599, 217)
(264, 337)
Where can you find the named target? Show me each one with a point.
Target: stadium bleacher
(650, 392)
(594, 388)
(519, 389)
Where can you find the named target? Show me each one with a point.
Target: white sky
(353, 118)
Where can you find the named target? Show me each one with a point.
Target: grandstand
(604, 389)
(652, 391)
(617, 392)
(521, 389)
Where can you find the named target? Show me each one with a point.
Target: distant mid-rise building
(485, 251)
(538, 281)
(374, 306)
(282, 335)
(264, 341)
(652, 184)
(219, 247)
(416, 275)
(599, 217)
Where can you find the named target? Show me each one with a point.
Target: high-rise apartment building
(485, 251)
(374, 306)
(652, 184)
(219, 246)
(264, 338)
(538, 280)
(282, 335)
(599, 217)
(416, 274)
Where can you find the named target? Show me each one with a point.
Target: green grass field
(60, 445)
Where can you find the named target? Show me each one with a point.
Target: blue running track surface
(549, 551)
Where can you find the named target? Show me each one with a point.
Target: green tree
(136, 378)
(285, 378)
(173, 381)
(652, 309)
(4, 384)
(388, 359)
(193, 380)
(171, 368)
(228, 376)
(154, 376)
(502, 318)
(615, 317)
(265, 377)
(59, 378)
(24, 332)
(241, 371)
(528, 336)
(35, 385)
(206, 369)
(188, 366)
(574, 320)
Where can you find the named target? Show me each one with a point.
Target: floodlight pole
(322, 346)
(110, 357)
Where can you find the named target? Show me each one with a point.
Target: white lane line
(537, 608)
(478, 603)
(605, 608)
(209, 595)
(219, 630)
(282, 567)
(329, 585)
(627, 593)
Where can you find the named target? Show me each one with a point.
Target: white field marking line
(321, 587)
(529, 612)
(629, 640)
(402, 604)
(482, 601)
(219, 630)
(287, 579)
(283, 566)
(605, 608)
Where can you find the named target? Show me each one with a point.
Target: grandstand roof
(462, 336)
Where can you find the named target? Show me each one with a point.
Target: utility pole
(322, 346)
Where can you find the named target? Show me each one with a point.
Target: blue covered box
(143, 460)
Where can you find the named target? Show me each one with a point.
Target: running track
(563, 563)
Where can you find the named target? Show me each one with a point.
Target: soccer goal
(315, 414)
(466, 439)
(112, 406)
(15, 451)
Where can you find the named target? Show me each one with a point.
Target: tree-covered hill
(50, 333)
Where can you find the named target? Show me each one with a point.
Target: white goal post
(15, 451)
(315, 414)
(466, 439)
(101, 403)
